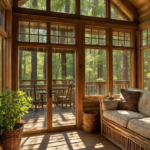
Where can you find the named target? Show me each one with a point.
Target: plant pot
(10, 140)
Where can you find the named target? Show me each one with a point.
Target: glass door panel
(63, 88)
(32, 81)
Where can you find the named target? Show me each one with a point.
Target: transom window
(33, 4)
(95, 36)
(93, 8)
(63, 6)
(122, 39)
(32, 32)
(62, 34)
(146, 37)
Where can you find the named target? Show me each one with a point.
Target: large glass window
(0, 64)
(122, 39)
(147, 69)
(32, 32)
(95, 36)
(119, 11)
(146, 37)
(62, 34)
(2, 13)
(32, 4)
(95, 8)
(63, 6)
(121, 70)
(95, 72)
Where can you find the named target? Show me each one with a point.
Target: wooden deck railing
(91, 88)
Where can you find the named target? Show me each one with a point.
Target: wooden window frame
(92, 28)
(148, 38)
(119, 31)
(77, 14)
(32, 34)
(67, 25)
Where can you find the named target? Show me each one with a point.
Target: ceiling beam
(119, 11)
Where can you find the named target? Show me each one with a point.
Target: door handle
(50, 93)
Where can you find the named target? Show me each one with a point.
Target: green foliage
(12, 106)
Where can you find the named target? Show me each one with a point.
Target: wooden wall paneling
(80, 74)
(109, 62)
(49, 88)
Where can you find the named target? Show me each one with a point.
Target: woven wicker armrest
(110, 104)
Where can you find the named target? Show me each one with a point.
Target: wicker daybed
(128, 130)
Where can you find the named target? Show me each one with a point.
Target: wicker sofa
(127, 129)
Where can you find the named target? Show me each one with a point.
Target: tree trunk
(95, 3)
(125, 66)
(45, 67)
(67, 6)
(100, 65)
(34, 3)
(34, 67)
(63, 66)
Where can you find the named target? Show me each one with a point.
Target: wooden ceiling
(143, 9)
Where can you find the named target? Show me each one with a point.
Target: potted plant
(13, 105)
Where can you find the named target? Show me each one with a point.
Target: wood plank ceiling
(143, 9)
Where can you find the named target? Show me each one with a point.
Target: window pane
(120, 12)
(87, 40)
(33, 4)
(24, 37)
(145, 34)
(42, 29)
(121, 70)
(94, 33)
(0, 64)
(23, 27)
(62, 34)
(95, 72)
(33, 28)
(146, 69)
(63, 6)
(88, 32)
(2, 13)
(33, 38)
(145, 42)
(42, 39)
(93, 8)
(54, 30)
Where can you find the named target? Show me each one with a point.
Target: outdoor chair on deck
(36, 100)
(65, 99)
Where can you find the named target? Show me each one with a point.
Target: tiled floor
(38, 120)
(68, 140)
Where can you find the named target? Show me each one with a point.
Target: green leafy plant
(12, 106)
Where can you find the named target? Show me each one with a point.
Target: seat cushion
(122, 117)
(140, 126)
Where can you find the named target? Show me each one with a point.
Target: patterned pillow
(129, 100)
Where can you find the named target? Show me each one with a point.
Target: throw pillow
(129, 100)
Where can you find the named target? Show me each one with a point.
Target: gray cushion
(109, 104)
(122, 117)
(140, 126)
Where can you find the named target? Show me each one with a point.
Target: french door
(48, 75)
